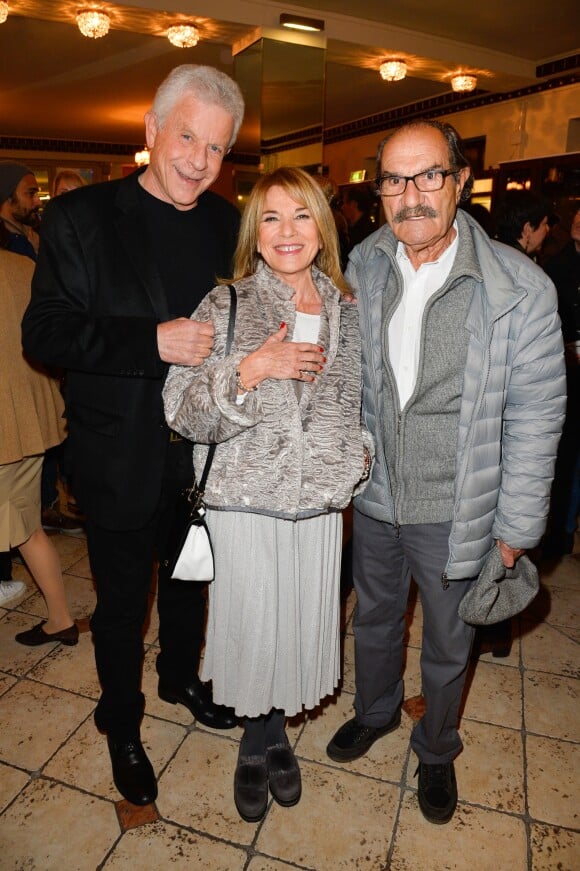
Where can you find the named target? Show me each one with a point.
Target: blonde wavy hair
(303, 189)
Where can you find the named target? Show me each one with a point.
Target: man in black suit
(121, 267)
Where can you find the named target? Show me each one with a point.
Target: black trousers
(122, 563)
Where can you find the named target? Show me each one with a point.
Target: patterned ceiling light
(463, 83)
(183, 35)
(3, 11)
(93, 23)
(393, 70)
(142, 157)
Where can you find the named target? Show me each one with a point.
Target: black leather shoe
(251, 787)
(283, 774)
(354, 739)
(132, 772)
(35, 636)
(197, 698)
(437, 791)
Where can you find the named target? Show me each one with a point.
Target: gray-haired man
(464, 393)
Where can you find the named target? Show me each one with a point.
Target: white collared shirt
(405, 325)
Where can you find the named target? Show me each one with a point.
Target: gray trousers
(383, 562)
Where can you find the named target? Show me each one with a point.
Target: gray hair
(207, 84)
(457, 158)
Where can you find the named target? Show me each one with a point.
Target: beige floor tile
(72, 831)
(151, 633)
(385, 759)
(345, 822)
(557, 606)
(348, 683)
(551, 705)
(161, 846)
(263, 863)
(412, 672)
(80, 567)
(493, 695)
(545, 648)
(553, 789)
(475, 839)
(6, 682)
(485, 651)
(564, 573)
(71, 668)
(36, 720)
(84, 760)
(80, 596)
(196, 789)
(12, 781)
(554, 849)
(490, 771)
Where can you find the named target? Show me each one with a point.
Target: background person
(521, 220)
(121, 267)
(564, 270)
(357, 204)
(67, 180)
(31, 422)
(284, 408)
(463, 390)
(19, 209)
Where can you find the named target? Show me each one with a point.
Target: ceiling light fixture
(183, 35)
(393, 70)
(297, 22)
(93, 23)
(143, 157)
(3, 11)
(463, 83)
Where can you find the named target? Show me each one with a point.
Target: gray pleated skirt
(273, 626)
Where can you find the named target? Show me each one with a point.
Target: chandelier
(393, 70)
(463, 83)
(3, 11)
(92, 23)
(142, 157)
(183, 35)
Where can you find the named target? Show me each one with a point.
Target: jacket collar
(477, 257)
(132, 230)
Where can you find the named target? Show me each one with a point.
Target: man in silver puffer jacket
(464, 393)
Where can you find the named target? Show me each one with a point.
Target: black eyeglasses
(430, 180)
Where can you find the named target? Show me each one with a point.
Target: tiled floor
(519, 805)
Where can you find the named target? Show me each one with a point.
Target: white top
(306, 328)
(405, 325)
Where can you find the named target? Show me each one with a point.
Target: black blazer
(96, 302)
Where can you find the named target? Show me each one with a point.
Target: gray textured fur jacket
(276, 455)
(513, 398)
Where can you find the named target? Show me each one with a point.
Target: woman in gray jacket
(284, 409)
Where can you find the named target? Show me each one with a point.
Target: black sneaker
(354, 739)
(437, 791)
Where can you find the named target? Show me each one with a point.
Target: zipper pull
(444, 581)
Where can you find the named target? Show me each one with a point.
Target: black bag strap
(229, 339)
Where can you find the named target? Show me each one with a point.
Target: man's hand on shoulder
(509, 554)
(185, 342)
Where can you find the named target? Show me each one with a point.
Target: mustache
(421, 211)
